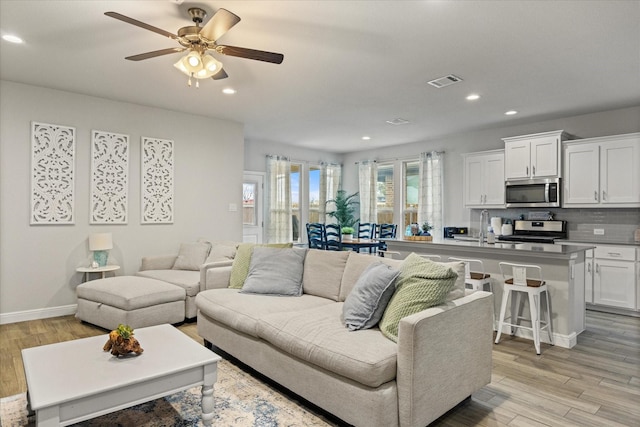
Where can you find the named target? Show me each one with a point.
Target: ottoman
(135, 301)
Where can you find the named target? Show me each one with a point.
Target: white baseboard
(41, 313)
(564, 341)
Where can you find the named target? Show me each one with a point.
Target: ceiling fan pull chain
(189, 82)
(198, 84)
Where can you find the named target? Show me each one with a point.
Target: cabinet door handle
(527, 170)
(614, 253)
(534, 170)
(604, 195)
(597, 268)
(595, 195)
(589, 268)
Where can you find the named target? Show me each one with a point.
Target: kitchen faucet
(484, 220)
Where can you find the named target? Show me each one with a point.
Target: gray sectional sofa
(442, 354)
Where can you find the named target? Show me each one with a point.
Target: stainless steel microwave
(533, 193)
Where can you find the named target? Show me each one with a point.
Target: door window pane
(384, 194)
(411, 193)
(249, 216)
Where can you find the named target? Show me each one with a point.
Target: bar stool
(516, 281)
(476, 279)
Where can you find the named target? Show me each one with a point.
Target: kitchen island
(562, 269)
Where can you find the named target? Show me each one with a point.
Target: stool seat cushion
(530, 282)
(130, 292)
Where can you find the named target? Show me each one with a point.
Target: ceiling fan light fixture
(211, 64)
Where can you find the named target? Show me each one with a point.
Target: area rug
(240, 400)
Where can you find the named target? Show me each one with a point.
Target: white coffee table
(73, 381)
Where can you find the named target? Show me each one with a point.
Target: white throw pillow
(192, 256)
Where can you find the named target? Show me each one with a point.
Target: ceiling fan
(198, 40)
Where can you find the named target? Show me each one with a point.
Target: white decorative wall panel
(109, 177)
(52, 173)
(157, 181)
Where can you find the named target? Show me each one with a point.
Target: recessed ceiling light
(11, 38)
(366, 138)
(228, 91)
(398, 121)
(510, 113)
(473, 97)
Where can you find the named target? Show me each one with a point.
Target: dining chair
(333, 237)
(316, 235)
(385, 231)
(367, 230)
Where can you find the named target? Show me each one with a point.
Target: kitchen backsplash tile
(619, 225)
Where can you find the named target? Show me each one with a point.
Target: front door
(252, 211)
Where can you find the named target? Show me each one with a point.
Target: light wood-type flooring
(597, 383)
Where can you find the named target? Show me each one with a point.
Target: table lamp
(100, 243)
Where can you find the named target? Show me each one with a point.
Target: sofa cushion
(243, 312)
(421, 284)
(222, 251)
(187, 279)
(323, 273)
(356, 264)
(366, 303)
(192, 256)
(275, 271)
(242, 262)
(318, 336)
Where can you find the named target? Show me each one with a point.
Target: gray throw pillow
(192, 256)
(364, 306)
(275, 271)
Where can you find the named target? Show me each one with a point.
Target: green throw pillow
(421, 284)
(242, 261)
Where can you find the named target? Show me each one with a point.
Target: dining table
(358, 244)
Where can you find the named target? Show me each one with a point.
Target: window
(296, 170)
(384, 194)
(314, 194)
(248, 203)
(411, 190)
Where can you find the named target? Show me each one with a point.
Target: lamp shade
(100, 242)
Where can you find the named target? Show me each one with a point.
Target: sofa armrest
(215, 276)
(444, 355)
(160, 262)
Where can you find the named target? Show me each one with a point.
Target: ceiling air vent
(445, 81)
(398, 121)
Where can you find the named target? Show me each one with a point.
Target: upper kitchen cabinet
(602, 172)
(533, 156)
(484, 179)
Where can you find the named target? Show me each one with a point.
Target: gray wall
(37, 263)
(584, 126)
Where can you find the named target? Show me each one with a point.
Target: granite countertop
(593, 243)
(541, 249)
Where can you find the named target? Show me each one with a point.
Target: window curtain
(368, 182)
(330, 175)
(431, 190)
(279, 227)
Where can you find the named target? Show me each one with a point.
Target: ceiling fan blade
(220, 23)
(220, 75)
(243, 52)
(141, 24)
(155, 53)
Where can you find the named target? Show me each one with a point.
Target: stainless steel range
(536, 231)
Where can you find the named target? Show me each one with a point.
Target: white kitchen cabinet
(614, 276)
(588, 276)
(484, 179)
(602, 172)
(533, 156)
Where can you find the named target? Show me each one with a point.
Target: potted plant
(426, 228)
(347, 233)
(345, 208)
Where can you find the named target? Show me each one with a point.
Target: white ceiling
(348, 65)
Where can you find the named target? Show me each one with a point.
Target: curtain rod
(414, 157)
(304, 161)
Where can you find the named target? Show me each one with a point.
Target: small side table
(88, 270)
